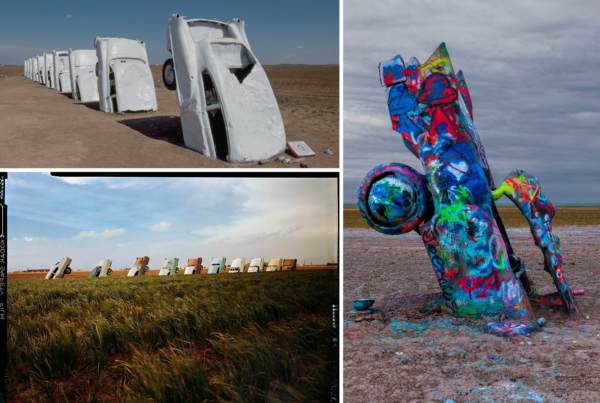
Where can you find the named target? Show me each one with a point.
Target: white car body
(140, 268)
(84, 83)
(256, 265)
(217, 266)
(49, 70)
(62, 76)
(125, 81)
(103, 269)
(228, 109)
(41, 69)
(34, 69)
(274, 265)
(58, 271)
(237, 265)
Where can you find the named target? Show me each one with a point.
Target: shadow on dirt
(166, 128)
(67, 94)
(94, 105)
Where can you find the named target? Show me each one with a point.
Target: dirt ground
(400, 355)
(41, 128)
(123, 273)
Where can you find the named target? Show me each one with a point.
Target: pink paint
(578, 292)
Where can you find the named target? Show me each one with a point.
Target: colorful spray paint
(451, 206)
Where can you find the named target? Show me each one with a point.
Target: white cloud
(300, 47)
(68, 16)
(106, 234)
(29, 239)
(160, 227)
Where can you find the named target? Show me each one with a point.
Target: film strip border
(3, 289)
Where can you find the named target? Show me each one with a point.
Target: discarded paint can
(578, 292)
(541, 322)
(328, 152)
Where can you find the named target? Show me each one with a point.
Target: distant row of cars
(228, 109)
(170, 267)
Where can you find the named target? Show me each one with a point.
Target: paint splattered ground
(42, 128)
(402, 354)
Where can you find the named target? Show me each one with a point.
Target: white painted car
(169, 267)
(41, 69)
(34, 69)
(274, 265)
(228, 109)
(237, 265)
(140, 268)
(103, 269)
(60, 269)
(62, 76)
(217, 266)
(125, 82)
(194, 266)
(84, 83)
(256, 265)
(49, 70)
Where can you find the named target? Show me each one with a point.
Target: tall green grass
(246, 338)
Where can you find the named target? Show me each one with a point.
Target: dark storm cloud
(532, 69)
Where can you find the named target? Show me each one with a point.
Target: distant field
(263, 338)
(511, 216)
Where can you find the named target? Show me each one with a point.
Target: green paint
(502, 262)
(504, 189)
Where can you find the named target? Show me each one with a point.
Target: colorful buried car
(228, 109)
(84, 84)
(169, 267)
(103, 269)
(125, 82)
(256, 265)
(237, 265)
(217, 266)
(62, 77)
(140, 268)
(60, 269)
(194, 266)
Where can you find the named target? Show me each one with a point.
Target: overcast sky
(90, 219)
(532, 68)
(305, 32)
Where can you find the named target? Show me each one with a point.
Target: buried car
(60, 269)
(125, 81)
(237, 265)
(289, 264)
(103, 269)
(40, 69)
(140, 268)
(84, 85)
(194, 266)
(49, 70)
(256, 265)
(274, 265)
(228, 109)
(217, 266)
(169, 267)
(62, 76)
(34, 69)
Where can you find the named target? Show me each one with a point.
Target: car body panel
(237, 265)
(140, 267)
(217, 265)
(289, 264)
(274, 265)
(256, 265)
(58, 270)
(62, 76)
(84, 84)
(194, 266)
(49, 70)
(169, 267)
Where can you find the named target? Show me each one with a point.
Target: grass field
(511, 216)
(265, 338)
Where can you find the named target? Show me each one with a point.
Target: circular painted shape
(363, 304)
(169, 75)
(393, 198)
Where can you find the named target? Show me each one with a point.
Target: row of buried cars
(194, 266)
(228, 109)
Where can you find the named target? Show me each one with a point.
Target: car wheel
(168, 75)
(146, 269)
(108, 272)
(68, 270)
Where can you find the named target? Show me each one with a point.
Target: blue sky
(278, 31)
(90, 219)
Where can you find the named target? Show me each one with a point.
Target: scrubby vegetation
(247, 338)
